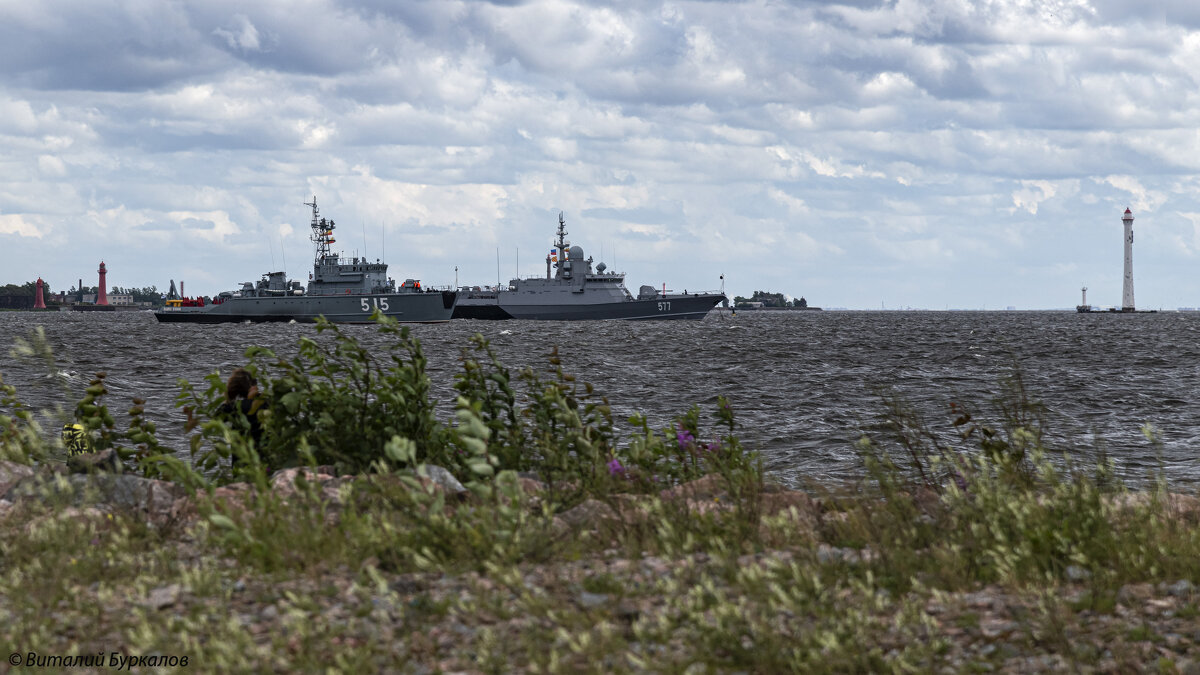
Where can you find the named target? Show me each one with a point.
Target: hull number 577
(664, 306)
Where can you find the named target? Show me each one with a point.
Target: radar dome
(576, 253)
(601, 267)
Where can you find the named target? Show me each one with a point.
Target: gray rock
(444, 479)
(1007, 651)
(123, 491)
(91, 462)
(993, 627)
(1181, 588)
(165, 596)
(11, 473)
(586, 517)
(628, 611)
(1132, 593)
(1077, 573)
(588, 514)
(827, 554)
(592, 600)
(283, 482)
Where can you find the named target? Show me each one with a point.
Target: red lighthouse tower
(102, 296)
(38, 301)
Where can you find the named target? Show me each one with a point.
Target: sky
(862, 154)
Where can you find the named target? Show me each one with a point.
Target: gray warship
(572, 290)
(342, 290)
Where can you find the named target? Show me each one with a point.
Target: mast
(562, 233)
(322, 233)
(561, 245)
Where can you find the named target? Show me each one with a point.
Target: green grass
(951, 544)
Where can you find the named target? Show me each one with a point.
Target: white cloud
(1143, 199)
(1032, 193)
(20, 226)
(314, 134)
(241, 35)
(17, 117)
(861, 138)
(795, 207)
(51, 166)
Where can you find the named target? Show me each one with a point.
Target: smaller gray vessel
(574, 290)
(343, 291)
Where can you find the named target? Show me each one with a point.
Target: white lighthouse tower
(1127, 289)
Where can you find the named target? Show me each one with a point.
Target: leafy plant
(334, 403)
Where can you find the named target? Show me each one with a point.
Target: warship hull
(343, 290)
(575, 290)
(422, 307)
(694, 307)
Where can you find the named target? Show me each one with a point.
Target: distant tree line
(149, 294)
(21, 296)
(28, 288)
(767, 300)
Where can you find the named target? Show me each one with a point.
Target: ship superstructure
(573, 289)
(343, 290)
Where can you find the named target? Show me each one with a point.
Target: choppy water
(803, 384)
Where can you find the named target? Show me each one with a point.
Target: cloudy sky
(862, 153)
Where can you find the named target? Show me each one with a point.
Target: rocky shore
(98, 563)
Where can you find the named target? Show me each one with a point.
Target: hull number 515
(664, 306)
(380, 303)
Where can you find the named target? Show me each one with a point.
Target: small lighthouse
(1127, 289)
(39, 302)
(1083, 306)
(102, 295)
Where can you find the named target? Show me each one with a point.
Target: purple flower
(715, 446)
(615, 468)
(684, 437)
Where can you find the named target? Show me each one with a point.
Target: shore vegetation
(534, 532)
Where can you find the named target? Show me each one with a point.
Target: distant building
(120, 299)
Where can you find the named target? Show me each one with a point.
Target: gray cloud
(837, 146)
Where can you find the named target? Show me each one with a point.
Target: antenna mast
(322, 233)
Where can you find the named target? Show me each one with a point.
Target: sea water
(804, 386)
